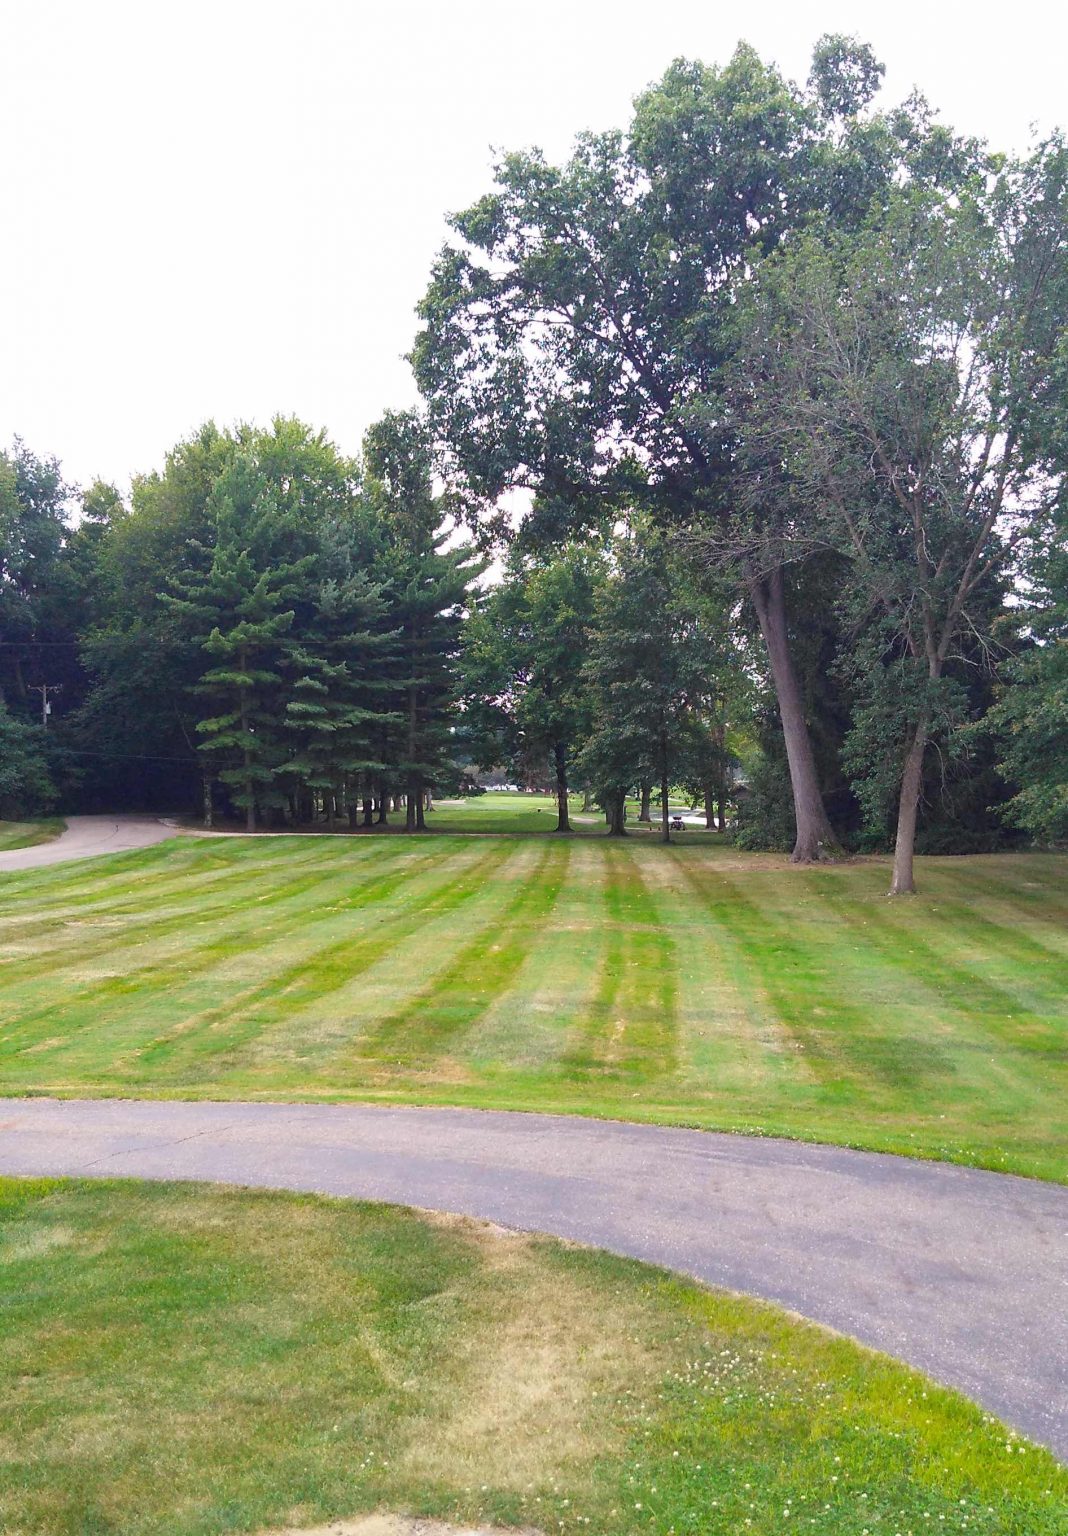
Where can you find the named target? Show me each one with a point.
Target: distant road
(960, 1272)
(87, 837)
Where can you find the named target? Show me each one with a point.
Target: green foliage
(845, 75)
(234, 611)
(527, 698)
(907, 379)
(1030, 719)
(426, 574)
(765, 806)
(26, 785)
(648, 672)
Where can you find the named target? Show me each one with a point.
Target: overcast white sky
(230, 209)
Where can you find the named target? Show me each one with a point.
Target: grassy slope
(27, 834)
(688, 984)
(183, 1361)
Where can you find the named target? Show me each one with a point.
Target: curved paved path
(88, 836)
(959, 1272)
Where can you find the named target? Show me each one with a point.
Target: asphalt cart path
(960, 1272)
(87, 837)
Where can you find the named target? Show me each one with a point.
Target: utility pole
(45, 689)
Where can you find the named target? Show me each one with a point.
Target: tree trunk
(587, 799)
(710, 815)
(209, 802)
(908, 807)
(815, 837)
(616, 810)
(368, 811)
(250, 795)
(383, 807)
(646, 793)
(721, 806)
(411, 799)
(665, 824)
(563, 823)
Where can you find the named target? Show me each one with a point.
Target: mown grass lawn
(183, 1361)
(27, 834)
(689, 984)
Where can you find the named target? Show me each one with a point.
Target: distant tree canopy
(740, 472)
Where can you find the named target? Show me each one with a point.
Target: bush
(26, 785)
(766, 808)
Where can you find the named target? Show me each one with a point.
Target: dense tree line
(267, 626)
(777, 382)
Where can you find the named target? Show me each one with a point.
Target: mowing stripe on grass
(145, 967)
(141, 913)
(200, 1017)
(730, 1040)
(631, 1028)
(527, 1028)
(797, 963)
(460, 992)
(940, 974)
(302, 1017)
(307, 957)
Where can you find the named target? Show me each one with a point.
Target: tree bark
(563, 823)
(710, 814)
(815, 837)
(410, 800)
(368, 811)
(587, 799)
(382, 819)
(644, 813)
(903, 883)
(209, 803)
(616, 809)
(665, 825)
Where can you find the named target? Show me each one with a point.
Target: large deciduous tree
(910, 376)
(574, 338)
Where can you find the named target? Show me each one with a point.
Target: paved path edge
(960, 1272)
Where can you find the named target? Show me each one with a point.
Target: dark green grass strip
(631, 1028)
(479, 972)
(792, 962)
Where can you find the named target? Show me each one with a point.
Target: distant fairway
(691, 984)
